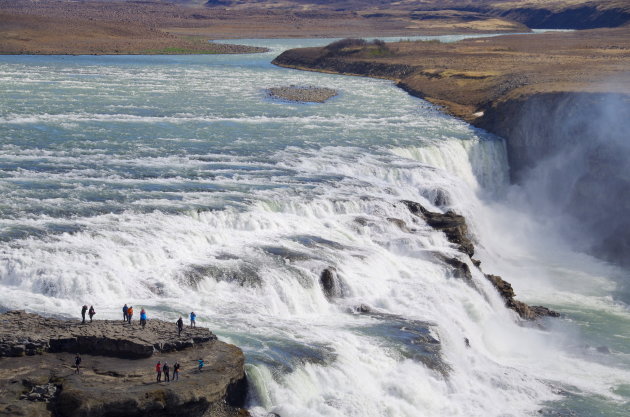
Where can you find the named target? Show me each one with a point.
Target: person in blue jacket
(200, 364)
(193, 316)
(143, 318)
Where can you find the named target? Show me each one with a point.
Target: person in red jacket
(158, 369)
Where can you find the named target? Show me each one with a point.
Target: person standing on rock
(193, 317)
(158, 370)
(129, 314)
(143, 322)
(83, 310)
(200, 366)
(125, 308)
(166, 370)
(77, 363)
(180, 327)
(92, 312)
(176, 371)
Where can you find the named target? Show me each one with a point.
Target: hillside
(184, 26)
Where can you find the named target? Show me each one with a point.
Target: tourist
(83, 310)
(166, 371)
(158, 370)
(180, 326)
(176, 371)
(125, 308)
(77, 363)
(200, 364)
(129, 314)
(143, 319)
(193, 316)
(92, 312)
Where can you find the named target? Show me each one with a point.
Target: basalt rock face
(44, 383)
(571, 150)
(456, 231)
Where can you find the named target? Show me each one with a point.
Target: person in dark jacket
(83, 311)
(166, 369)
(92, 312)
(176, 371)
(180, 326)
(77, 363)
(125, 308)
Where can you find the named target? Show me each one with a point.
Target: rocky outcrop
(330, 283)
(29, 334)
(300, 94)
(525, 311)
(320, 59)
(454, 227)
(44, 382)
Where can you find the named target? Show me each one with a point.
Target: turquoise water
(175, 183)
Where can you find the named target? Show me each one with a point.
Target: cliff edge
(117, 373)
(561, 100)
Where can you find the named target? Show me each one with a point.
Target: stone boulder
(330, 283)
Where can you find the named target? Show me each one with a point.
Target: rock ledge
(117, 375)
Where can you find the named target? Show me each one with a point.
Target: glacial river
(175, 184)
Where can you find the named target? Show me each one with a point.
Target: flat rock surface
(302, 94)
(46, 384)
(24, 333)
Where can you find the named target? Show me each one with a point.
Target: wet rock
(453, 225)
(361, 221)
(460, 269)
(314, 241)
(541, 311)
(231, 270)
(400, 223)
(412, 338)
(603, 349)
(525, 311)
(287, 254)
(330, 283)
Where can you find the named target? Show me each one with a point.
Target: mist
(570, 165)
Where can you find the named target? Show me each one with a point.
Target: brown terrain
(184, 26)
(469, 76)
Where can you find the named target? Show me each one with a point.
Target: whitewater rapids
(174, 184)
